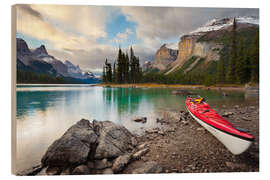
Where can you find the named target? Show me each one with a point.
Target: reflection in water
(44, 113)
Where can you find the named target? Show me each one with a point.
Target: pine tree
(254, 57)
(114, 74)
(120, 66)
(126, 68)
(104, 79)
(233, 56)
(138, 71)
(241, 64)
(109, 73)
(132, 66)
(221, 71)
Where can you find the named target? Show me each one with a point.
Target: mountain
(164, 56)
(39, 62)
(76, 72)
(202, 47)
(146, 65)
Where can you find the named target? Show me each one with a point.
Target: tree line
(243, 65)
(126, 69)
(238, 64)
(34, 78)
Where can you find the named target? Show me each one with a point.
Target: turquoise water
(44, 112)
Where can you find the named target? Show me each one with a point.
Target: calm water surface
(44, 112)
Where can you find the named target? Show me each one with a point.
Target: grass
(180, 86)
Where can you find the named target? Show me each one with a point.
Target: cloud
(121, 37)
(157, 24)
(93, 58)
(84, 20)
(72, 31)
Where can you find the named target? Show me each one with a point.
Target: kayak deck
(209, 116)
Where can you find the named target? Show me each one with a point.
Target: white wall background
(5, 95)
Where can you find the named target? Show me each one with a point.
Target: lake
(44, 112)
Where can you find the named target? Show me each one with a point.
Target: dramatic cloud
(157, 24)
(74, 32)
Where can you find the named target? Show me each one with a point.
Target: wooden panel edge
(13, 89)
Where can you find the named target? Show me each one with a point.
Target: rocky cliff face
(41, 51)
(146, 65)
(22, 47)
(188, 47)
(163, 57)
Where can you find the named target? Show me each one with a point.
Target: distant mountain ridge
(40, 62)
(200, 46)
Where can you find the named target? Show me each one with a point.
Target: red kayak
(237, 140)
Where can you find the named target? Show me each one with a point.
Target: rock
(140, 153)
(31, 171)
(148, 167)
(120, 163)
(91, 165)
(171, 129)
(107, 171)
(236, 106)
(65, 172)
(42, 172)
(53, 171)
(224, 94)
(246, 118)
(142, 146)
(151, 131)
(235, 165)
(102, 164)
(161, 132)
(200, 129)
(114, 140)
(74, 147)
(185, 122)
(227, 114)
(161, 121)
(81, 170)
(140, 119)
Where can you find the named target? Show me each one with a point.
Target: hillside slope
(207, 43)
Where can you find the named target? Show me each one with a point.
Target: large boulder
(114, 140)
(75, 147)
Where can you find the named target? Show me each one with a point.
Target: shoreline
(181, 145)
(229, 87)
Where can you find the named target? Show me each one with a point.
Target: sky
(87, 35)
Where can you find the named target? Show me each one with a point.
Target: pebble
(200, 129)
(246, 118)
(185, 122)
(142, 146)
(227, 114)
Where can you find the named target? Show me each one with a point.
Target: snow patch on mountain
(173, 46)
(217, 24)
(76, 72)
(48, 59)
